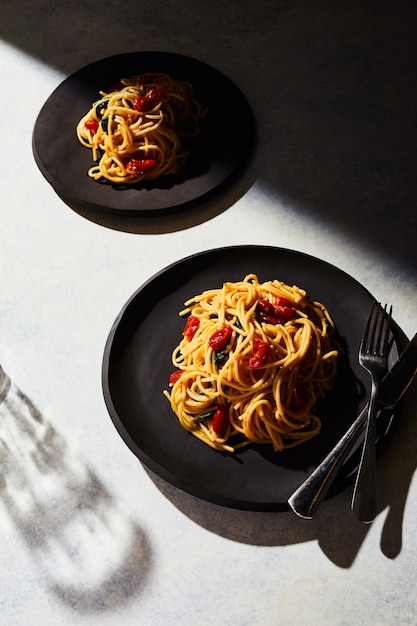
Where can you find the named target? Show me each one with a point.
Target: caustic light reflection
(91, 554)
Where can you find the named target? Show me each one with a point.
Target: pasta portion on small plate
(134, 186)
(141, 128)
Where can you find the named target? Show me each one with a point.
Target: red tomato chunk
(282, 311)
(220, 338)
(142, 104)
(221, 421)
(284, 308)
(261, 352)
(91, 125)
(175, 376)
(191, 326)
(136, 166)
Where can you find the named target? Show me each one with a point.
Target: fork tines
(368, 339)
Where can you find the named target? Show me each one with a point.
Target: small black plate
(137, 365)
(225, 143)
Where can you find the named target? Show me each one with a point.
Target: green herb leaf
(204, 417)
(220, 357)
(100, 107)
(105, 123)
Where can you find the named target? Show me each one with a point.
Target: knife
(306, 500)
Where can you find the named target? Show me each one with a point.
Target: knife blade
(306, 500)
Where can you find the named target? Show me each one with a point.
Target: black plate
(137, 365)
(225, 143)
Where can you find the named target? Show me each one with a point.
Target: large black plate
(137, 365)
(226, 140)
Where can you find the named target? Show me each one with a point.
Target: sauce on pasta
(141, 128)
(252, 362)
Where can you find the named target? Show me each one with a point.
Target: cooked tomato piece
(284, 308)
(91, 125)
(261, 352)
(155, 95)
(141, 104)
(278, 313)
(266, 312)
(221, 421)
(140, 166)
(220, 338)
(175, 376)
(191, 326)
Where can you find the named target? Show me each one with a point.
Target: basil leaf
(100, 107)
(105, 123)
(220, 357)
(205, 416)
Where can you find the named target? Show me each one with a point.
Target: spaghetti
(253, 360)
(141, 128)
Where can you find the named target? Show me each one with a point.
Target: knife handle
(306, 500)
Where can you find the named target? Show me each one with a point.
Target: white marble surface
(89, 536)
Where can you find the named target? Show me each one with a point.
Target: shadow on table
(172, 221)
(337, 532)
(89, 553)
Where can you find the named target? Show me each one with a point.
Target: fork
(373, 356)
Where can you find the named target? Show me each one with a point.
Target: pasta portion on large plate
(253, 361)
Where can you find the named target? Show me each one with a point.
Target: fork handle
(306, 500)
(364, 500)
